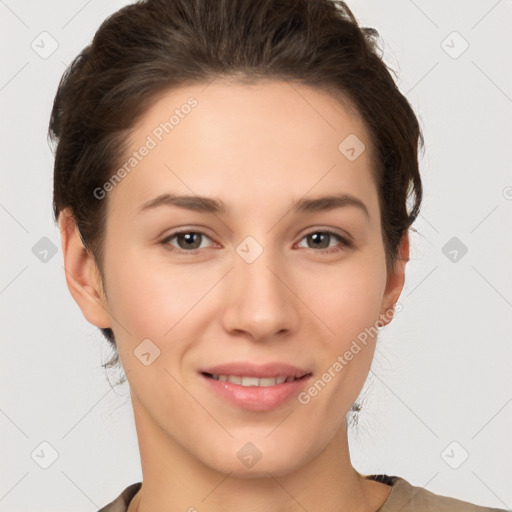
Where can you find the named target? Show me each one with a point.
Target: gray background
(440, 388)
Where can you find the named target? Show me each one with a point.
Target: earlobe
(395, 282)
(82, 275)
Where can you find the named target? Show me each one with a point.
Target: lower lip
(257, 398)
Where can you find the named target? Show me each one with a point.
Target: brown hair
(151, 46)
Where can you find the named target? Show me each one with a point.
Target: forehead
(269, 140)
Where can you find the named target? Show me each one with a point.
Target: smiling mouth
(254, 381)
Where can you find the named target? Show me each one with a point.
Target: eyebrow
(216, 206)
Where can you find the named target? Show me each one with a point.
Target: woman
(231, 185)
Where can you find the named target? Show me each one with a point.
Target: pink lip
(257, 398)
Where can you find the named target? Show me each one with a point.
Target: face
(272, 284)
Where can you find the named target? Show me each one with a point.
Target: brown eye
(322, 240)
(186, 241)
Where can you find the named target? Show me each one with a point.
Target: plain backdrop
(438, 403)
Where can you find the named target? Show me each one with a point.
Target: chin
(277, 463)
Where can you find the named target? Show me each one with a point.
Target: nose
(259, 299)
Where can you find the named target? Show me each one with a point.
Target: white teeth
(250, 381)
(253, 381)
(268, 381)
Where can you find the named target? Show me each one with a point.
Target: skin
(258, 148)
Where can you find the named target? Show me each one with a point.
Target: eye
(188, 241)
(320, 240)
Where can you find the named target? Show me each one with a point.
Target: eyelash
(343, 241)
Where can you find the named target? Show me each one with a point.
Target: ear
(395, 282)
(82, 274)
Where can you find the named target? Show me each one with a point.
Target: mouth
(248, 381)
(254, 387)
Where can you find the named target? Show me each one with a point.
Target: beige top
(404, 497)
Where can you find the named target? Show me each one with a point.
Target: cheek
(155, 300)
(347, 298)
(348, 302)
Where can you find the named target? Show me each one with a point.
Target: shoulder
(405, 497)
(120, 504)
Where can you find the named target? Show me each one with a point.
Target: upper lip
(268, 370)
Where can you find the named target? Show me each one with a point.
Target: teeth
(268, 381)
(253, 381)
(250, 381)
